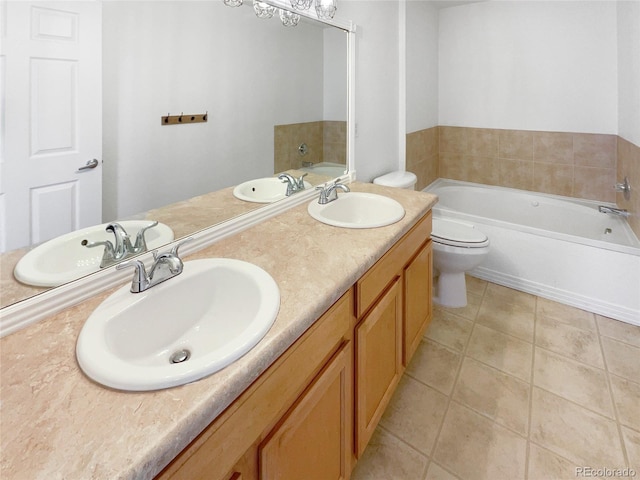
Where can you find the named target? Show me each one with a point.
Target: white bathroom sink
(64, 258)
(263, 190)
(214, 312)
(358, 210)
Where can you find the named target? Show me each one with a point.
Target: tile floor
(513, 386)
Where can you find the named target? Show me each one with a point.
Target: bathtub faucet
(613, 211)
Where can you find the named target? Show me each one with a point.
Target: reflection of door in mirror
(52, 67)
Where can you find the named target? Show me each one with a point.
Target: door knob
(89, 165)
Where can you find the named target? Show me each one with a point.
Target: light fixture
(301, 4)
(263, 10)
(289, 19)
(325, 9)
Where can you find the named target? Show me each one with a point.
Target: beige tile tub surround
(629, 165)
(422, 156)
(509, 403)
(571, 164)
(58, 424)
(581, 165)
(326, 142)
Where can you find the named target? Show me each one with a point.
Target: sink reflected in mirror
(180, 330)
(358, 210)
(263, 190)
(65, 258)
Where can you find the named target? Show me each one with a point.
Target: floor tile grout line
(527, 461)
(623, 445)
(562, 354)
(573, 360)
(463, 354)
(505, 333)
(403, 441)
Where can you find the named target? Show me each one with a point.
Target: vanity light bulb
(289, 19)
(263, 10)
(301, 4)
(232, 3)
(326, 8)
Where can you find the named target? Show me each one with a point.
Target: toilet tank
(398, 179)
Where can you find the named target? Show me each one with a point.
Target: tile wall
(326, 142)
(571, 164)
(629, 165)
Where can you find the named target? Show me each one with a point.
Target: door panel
(51, 55)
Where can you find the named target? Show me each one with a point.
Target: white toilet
(457, 248)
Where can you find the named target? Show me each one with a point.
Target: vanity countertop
(185, 218)
(56, 423)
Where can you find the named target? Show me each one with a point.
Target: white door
(51, 74)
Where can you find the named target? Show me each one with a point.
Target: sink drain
(180, 356)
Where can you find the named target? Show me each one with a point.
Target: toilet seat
(456, 234)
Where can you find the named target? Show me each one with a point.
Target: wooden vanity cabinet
(313, 441)
(378, 362)
(312, 413)
(307, 390)
(418, 296)
(393, 309)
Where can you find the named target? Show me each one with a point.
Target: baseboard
(573, 299)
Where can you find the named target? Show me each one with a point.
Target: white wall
(377, 83)
(421, 65)
(629, 70)
(192, 57)
(529, 65)
(335, 74)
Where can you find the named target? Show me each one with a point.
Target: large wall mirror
(275, 100)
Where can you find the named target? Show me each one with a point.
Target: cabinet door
(313, 441)
(417, 300)
(378, 362)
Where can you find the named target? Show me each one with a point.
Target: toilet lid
(457, 234)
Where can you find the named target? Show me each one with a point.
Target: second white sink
(358, 210)
(181, 330)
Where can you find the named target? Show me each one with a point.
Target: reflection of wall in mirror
(326, 141)
(167, 57)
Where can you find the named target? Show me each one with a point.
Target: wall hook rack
(184, 119)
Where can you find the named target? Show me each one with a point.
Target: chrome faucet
(329, 193)
(122, 248)
(624, 187)
(613, 211)
(165, 266)
(293, 184)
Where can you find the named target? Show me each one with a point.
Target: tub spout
(613, 211)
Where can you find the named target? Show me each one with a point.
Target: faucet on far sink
(122, 248)
(165, 266)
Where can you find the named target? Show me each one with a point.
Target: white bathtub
(329, 169)
(556, 247)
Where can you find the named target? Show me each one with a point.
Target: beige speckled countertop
(185, 218)
(56, 423)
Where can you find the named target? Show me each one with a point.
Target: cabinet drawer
(373, 283)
